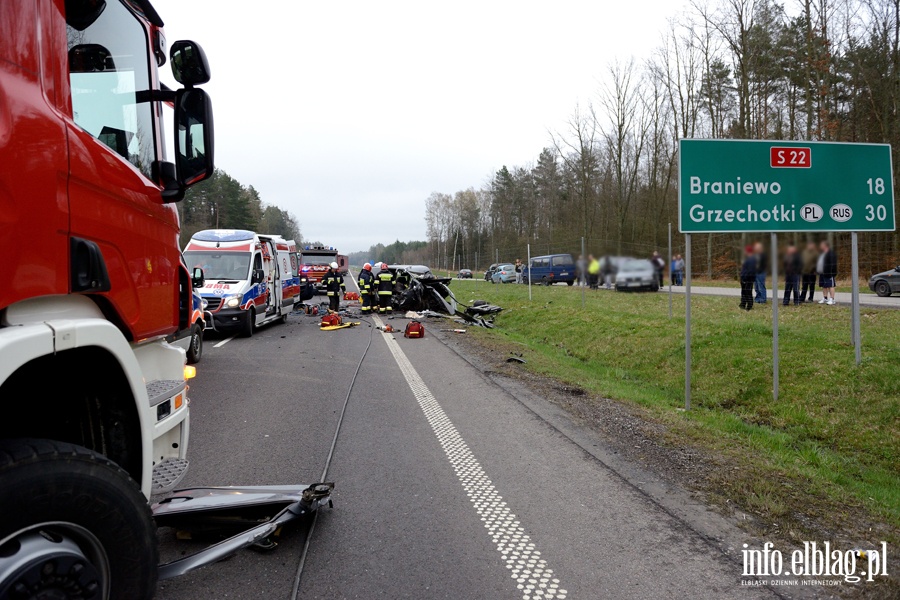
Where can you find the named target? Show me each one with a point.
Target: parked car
(885, 284)
(637, 274)
(490, 271)
(504, 273)
(464, 274)
(552, 268)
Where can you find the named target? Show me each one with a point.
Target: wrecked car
(420, 291)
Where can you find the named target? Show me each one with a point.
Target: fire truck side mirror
(189, 64)
(193, 136)
(197, 279)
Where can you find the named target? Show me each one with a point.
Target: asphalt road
(447, 485)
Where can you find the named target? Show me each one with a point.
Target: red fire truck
(95, 401)
(314, 263)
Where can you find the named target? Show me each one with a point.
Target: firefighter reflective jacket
(385, 283)
(334, 283)
(366, 281)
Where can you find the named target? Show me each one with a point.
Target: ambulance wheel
(249, 324)
(72, 524)
(195, 350)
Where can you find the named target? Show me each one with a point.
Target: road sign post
(763, 186)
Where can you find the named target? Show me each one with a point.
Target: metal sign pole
(584, 262)
(854, 309)
(670, 270)
(687, 321)
(774, 251)
(529, 272)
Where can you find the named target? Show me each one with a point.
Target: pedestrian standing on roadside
(519, 269)
(749, 270)
(581, 270)
(659, 264)
(679, 270)
(760, 283)
(793, 265)
(827, 268)
(593, 272)
(810, 257)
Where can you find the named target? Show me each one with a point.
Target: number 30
(879, 212)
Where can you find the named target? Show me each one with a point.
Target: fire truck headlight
(233, 301)
(303, 280)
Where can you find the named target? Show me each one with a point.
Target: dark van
(553, 268)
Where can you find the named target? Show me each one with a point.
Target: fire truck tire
(71, 520)
(249, 324)
(195, 350)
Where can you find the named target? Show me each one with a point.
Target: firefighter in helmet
(367, 288)
(384, 282)
(334, 287)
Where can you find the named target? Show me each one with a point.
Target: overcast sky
(349, 114)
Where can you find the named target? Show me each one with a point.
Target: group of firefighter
(371, 285)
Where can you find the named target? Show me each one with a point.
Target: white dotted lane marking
(534, 578)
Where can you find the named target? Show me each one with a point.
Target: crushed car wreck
(423, 293)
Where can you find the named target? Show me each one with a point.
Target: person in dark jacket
(749, 270)
(763, 260)
(334, 287)
(827, 268)
(793, 266)
(384, 283)
(367, 288)
(810, 256)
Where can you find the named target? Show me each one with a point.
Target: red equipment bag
(331, 321)
(351, 296)
(414, 329)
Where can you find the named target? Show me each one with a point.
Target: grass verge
(833, 435)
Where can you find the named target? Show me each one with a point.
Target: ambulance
(249, 279)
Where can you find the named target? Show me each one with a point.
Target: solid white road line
(534, 578)
(223, 342)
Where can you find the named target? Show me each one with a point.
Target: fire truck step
(167, 473)
(160, 390)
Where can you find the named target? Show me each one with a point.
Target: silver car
(637, 274)
(885, 284)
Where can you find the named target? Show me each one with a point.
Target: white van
(250, 278)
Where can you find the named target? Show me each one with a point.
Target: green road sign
(736, 186)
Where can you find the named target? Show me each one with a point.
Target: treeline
(402, 253)
(223, 202)
(824, 70)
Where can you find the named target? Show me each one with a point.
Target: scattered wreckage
(429, 296)
(241, 517)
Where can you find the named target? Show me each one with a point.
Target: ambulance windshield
(220, 265)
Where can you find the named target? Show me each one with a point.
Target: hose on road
(337, 432)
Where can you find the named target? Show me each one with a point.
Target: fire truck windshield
(317, 259)
(220, 265)
(108, 68)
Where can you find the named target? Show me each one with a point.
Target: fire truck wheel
(195, 350)
(249, 324)
(72, 524)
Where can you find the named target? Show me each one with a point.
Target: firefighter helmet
(334, 265)
(367, 267)
(384, 267)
